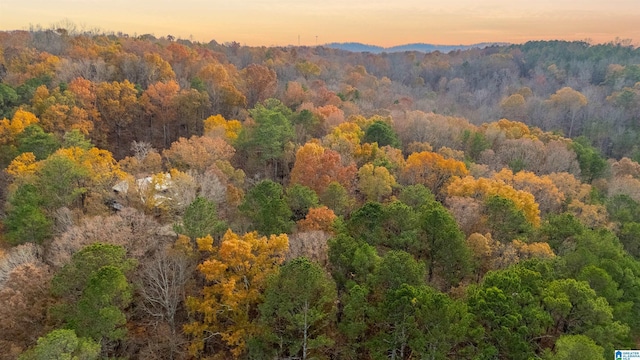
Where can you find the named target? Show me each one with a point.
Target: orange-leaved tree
(319, 218)
(432, 170)
(316, 167)
(158, 103)
(118, 106)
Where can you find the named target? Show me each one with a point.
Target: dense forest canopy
(162, 198)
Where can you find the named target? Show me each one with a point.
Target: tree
(307, 69)
(220, 82)
(592, 165)
(365, 222)
(162, 285)
(118, 105)
(336, 198)
(345, 139)
(10, 129)
(316, 167)
(300, 200)
(483, 188)
(398, 268)
(431, 170)
(354, 321)
(33, 139)
(375, 182)
(514, 107)
(567, 102)
(75, 138)
(559, 228)
(157, 69)
(416, 196)
(102, 169)
(98, 313)
(201, 219)
(218, 126)
(447, 253)
(266, 140)
(319, 218)
(139, 234)
(629, 238)
(294, 95)
(159, 104)
(84, 93)
(193, 106)
(260, 83)
(25, 297)
(382, 133)
(400, 229)
(236, 273)
(197, 153)
(58, 111)
(352, 261)
(299, 309)
(312, 244)
(63, 344)
(265, 205)
(576, 309)
(505, 220)
(8, 99)
(419, 321)
(9, 132)
(476, 143)
(546, 193)
(26, 221)
(62, 182)
(93, 292)
(490, 254)
(17, 256)
(507, 304)
(569, 347)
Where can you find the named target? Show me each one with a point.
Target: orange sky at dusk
(378, 22)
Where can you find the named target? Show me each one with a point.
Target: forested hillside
(164, 199)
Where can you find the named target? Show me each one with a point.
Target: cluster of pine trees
(168, 199)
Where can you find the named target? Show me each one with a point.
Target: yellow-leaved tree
(235, 272)
(23, 165)
(9, 129)
(546, 193)
(217, 125)
(102, 168)
(483, 188)
(375, 182)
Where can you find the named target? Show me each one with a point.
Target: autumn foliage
(236, 272)
(432, 170)
(316, 167)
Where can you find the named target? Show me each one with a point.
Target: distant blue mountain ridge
(420, 47)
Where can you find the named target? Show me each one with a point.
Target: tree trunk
(306, 330)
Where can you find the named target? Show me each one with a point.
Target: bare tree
(311, 244)
(141, 149)
(28, 253)
(135, 231)
(24, 300)
(162, 284)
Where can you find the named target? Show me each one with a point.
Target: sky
(316, 22)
